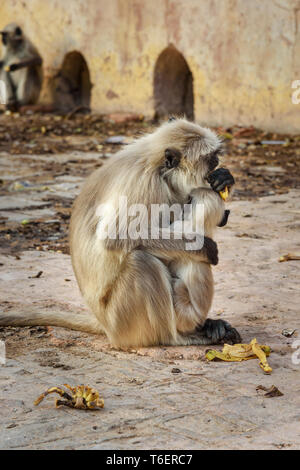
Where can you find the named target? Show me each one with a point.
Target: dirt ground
(155, 398)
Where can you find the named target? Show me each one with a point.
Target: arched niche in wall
(71, 87)
(173, 85)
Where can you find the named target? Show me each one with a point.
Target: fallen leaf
(227, 135)
(37, 276)
(270, 392)
(289, 257)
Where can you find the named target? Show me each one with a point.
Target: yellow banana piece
(224, 194)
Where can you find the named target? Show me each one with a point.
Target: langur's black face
(4, 37)
(213, 160)
(12, 35)
(193, 155)
(180, 175)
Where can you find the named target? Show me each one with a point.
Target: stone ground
(155, 398)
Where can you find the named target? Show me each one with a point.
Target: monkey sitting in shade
(20, 68)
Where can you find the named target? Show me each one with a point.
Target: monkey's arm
(25, 63)
(167, 248)
(225, 218)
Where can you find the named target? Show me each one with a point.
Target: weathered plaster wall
(243, 54)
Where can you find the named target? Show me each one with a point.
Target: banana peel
(81, 397)
(224, 194)
(260, 353)
(242, 352)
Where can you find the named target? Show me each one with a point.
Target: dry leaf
(289, 257)
(270, 392)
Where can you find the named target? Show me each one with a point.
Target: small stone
(115, 139)
(288, 332)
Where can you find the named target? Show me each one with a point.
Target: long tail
(74, 321)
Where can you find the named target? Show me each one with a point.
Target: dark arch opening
(72, 85)
(173, 85)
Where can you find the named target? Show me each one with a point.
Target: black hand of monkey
(220, 178)
(211, 250)
(13, 67)
(219, 331)
(225, 218)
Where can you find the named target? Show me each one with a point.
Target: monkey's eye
(171, 119)
(172, 158)
(213, 160)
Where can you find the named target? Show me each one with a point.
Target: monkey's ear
(18, 31)
(172, 158)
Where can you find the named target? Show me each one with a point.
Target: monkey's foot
(219, 331)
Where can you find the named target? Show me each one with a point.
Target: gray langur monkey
(20, 68)
(126, 281)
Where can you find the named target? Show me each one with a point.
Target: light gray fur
(128, 285)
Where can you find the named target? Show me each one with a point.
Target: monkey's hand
(208, 253)
(225, 218)
(11, 67)
(219, 331)
(210, 249)
(220, 178)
